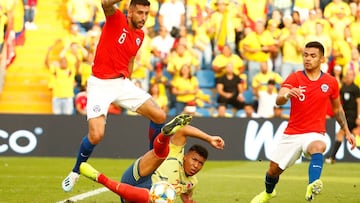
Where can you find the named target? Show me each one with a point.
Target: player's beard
(138, 24)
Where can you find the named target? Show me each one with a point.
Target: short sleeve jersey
(308, 112)
(117, 45)
(172, 170)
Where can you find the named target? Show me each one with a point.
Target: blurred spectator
(74, 36)
(337, 73)
(62, 86)
(142, 65)
(229, 89)
(85, 69)
(275, 55)
(332, 8)
(308, 27)
(82, 13)
(179, 57)
(222, 27)
(287, 22)
(257, 47)
(202, 41)
(172, 15)
(53, 53)
(291, 46)
(249, 112)
(339, 22)
(226, 57)
(161, 46)
(323, 37)
(99, 14)
(255, 10)
(150, 23)
(296, 17)
(355, 28)
(161, 80)
(284, 6)
(341, 51)
(302, 8)
(161, 99)
(261, 79)
(265, 108)
(30, 10)
(92, 38)
(279, 112)
(185, 88)
(354, 63)
(354, 7)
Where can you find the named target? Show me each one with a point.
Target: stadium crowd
(210, 58)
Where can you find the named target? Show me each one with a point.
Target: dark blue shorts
(131, 176)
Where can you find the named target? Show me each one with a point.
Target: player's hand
(217, 142)
(351, 139)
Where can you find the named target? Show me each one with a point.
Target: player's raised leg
(128, 192)
(175, 124)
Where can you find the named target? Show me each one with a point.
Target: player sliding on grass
(120, 39)
(309, 91)
(179, 168)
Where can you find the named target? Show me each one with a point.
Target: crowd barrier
(126, 137)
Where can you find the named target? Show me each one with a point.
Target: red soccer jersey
(117, 44)
(308, 112)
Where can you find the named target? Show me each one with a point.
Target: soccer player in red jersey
(309, 91)
(120, 40)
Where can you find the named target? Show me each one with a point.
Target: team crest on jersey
(96, 108)
(138, 41)
(324, 87)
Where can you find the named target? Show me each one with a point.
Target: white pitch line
(84, 195)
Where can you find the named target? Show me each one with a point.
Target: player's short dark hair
(317, 45)
(202, 151)
(140, 2)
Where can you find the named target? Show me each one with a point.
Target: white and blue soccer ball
(162, 192)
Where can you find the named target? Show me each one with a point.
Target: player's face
(138, 15)
(193, 163)
(312, 58)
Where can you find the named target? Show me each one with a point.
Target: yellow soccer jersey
(343, 48)
(255, 41)
(176, 62)
(291, 53)
(260, 80)
(85, 72)
(183, 84)
(221, 61)
(172, 170)
(355, 29)
(332, 8)
(339, 26)
(62, 82)
(309, 4)
(256, 5)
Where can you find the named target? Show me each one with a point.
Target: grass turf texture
(38, 180)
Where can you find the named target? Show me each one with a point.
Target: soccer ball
(162, 192)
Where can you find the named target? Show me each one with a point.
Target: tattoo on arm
(341, 119)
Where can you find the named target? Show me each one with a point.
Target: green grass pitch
(38, 180)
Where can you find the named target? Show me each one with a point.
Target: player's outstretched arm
(180, 137)
(109, 6)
